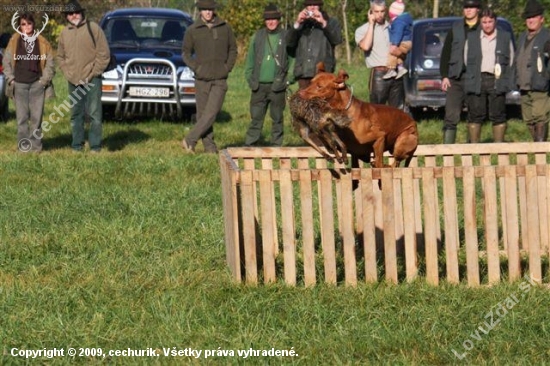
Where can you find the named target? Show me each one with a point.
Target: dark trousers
(260, 101)
(382, 91)
(487, 104)
(210, 96)
(453, 104)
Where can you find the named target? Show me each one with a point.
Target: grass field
(125, 250)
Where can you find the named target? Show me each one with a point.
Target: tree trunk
(346, 33)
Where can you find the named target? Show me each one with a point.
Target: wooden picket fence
(472, 213)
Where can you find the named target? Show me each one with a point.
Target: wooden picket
(460, 213)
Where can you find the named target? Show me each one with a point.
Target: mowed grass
(125, 249)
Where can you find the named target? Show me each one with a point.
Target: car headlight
(112, 74)
(186, 73)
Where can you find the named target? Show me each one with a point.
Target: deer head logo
(29, 40)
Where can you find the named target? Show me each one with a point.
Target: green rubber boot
(449, 136)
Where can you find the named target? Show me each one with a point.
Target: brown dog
(373, 129)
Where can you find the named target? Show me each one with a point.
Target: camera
(309, 14)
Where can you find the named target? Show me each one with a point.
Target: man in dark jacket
(210, 50)
(488, 77)
(531, 69)
(452, 66)
(266, 70)
(313, 38)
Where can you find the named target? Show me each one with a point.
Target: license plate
(149, 92)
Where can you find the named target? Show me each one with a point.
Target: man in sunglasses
(83, 54)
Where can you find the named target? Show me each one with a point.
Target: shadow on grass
(113, 142)
(121, 139)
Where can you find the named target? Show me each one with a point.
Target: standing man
(531, 69)
(374, 39)
(452, 66)
(266, 71)
(210, 50)
(313, 38)
(488, 77)
(83, 54)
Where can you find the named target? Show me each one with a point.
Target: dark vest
(456, 61)
(539, 79)
(281, 55)
(472, 76)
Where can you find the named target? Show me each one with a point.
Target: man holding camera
(313, 39)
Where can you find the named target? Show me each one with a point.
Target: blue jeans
(29, 108)
(85, 100)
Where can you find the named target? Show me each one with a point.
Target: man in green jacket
(266, 70)
(82, 55)
(210, 50)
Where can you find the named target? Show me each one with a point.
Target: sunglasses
(73, 12)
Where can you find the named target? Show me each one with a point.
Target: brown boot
(540, 132)
(532, 131)
(474, 132)
(498, 132)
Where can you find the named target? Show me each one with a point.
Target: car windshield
(145, 32)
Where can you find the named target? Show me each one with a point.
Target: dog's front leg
(304, 133)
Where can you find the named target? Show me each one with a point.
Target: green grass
(125, 249)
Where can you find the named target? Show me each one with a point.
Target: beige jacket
(47, 66)
(77, 58)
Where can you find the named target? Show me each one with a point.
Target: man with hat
(531, 70)
(83, 54)
(210, 50)
(313, 38)
(266, 71)
(452, 66)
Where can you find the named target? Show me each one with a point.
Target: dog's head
(325, 85)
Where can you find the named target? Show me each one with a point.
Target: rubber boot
(498, 132)
(532, 131)
(540, 132)
(449, 136)
(474, 132)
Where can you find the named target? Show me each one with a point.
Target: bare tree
(346, 32)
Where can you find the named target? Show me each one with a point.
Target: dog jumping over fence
(373, 129)
(314, 119)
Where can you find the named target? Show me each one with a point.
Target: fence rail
(475, 213)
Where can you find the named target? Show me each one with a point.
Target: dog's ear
(342, 74)
(340, 80)
(320, 67)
